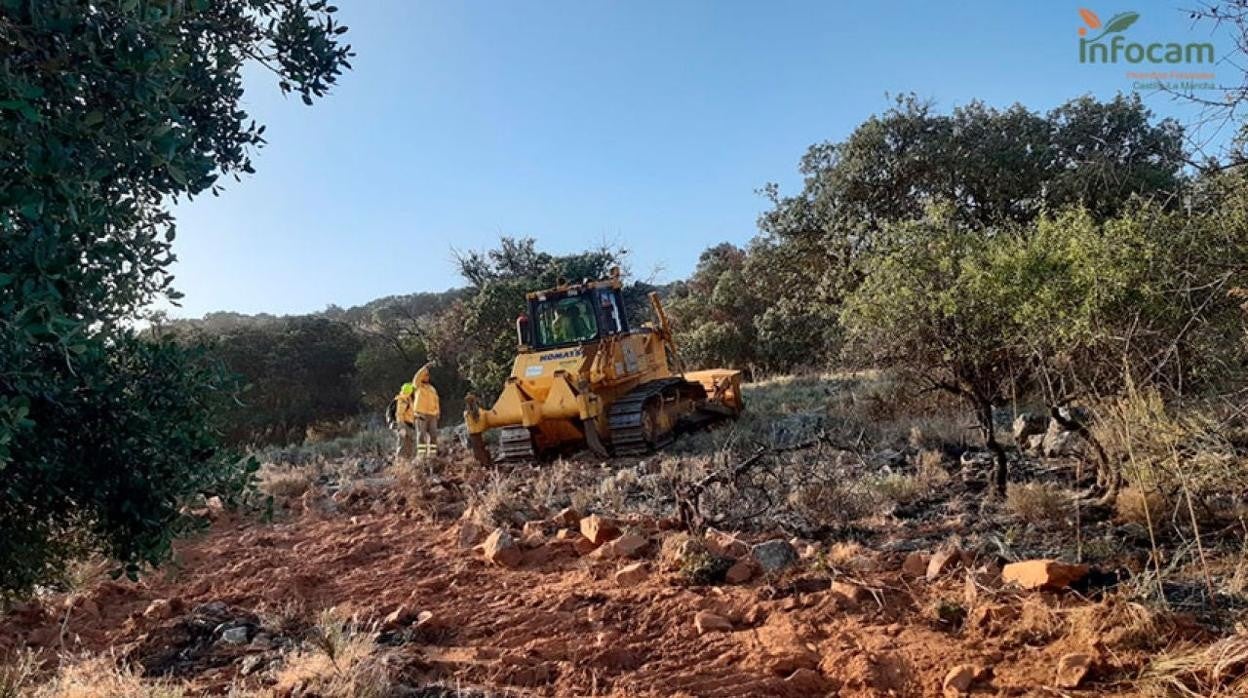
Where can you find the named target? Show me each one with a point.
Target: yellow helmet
(407, 389)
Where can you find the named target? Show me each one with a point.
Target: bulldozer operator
(413, 416)
(570, 324)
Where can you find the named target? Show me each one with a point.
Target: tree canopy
(108, 111)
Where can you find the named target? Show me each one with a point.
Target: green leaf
(1120, 22)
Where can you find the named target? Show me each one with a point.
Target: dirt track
(558, 625)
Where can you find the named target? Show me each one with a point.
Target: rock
(943, 561)
(976, 460)
(915, 564)
(707, 622)
(806, 549)
(627, 545)
(583, 546)
(960, 678)
(262, 642)
(889, 458)
(598, 530)
(250, 664)
(1045, 575)
(1057, 441)
(632, 575)
(741, 572)
(469, 534)
(399, 617)
(501, 549)
(568, 518)
(774, 555)
(235, 635)
(568, 535)
(1035, 444)
(533, 535)
(159, 609)
(852, 593)
(725, 544)
(668, 523)
(1073, 668)
(807, 682)
(1026, 425)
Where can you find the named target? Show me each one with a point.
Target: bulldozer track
(515, 444)
(626, 418)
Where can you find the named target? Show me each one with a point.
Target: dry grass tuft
(17, 673)
(101, 677)
(833, 504)
(1039, 503)
(676, 547)
(1219, 670)
(339, 662)
(284, 482)
(1134, 505)
(1121, 624)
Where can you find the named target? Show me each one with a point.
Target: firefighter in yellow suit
(426, 410)
(413, 415)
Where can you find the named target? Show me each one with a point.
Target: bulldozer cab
(573, 316)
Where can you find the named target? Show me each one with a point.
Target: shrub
(1039, 503)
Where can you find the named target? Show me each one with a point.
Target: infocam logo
(1099, 49)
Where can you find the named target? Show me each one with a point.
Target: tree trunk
(1106, 475)
(987, 427)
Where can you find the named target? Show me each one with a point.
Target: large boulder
(1057, 441)
(1026, 425)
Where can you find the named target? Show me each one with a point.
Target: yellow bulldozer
(583, 376)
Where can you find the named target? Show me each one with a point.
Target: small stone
(632, 575)
(915, 564)
(943, 561)
(774, 555)
(807, 682)
(598, 530)
(1045, 575)
(959, 679)
(1073, 668)
(250, 664)
(159, 609)
(533, 535)
(707, 622)
(568, 535)
(725, 544)
(741, 572)
(567, 518)
(627, 545)
(501, 549)
(583, 546)
(469, 535)
(235, 635)
(262, 642)
(399, 617)
(668, 523)
(852, 593)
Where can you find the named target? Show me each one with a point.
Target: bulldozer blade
(479, 450)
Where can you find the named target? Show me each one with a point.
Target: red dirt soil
(558, 625)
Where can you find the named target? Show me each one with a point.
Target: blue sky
(644, 123)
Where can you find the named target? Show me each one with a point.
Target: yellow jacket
(426, 396)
